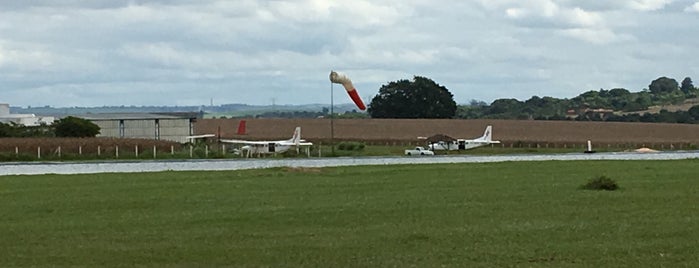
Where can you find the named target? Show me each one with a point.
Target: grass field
(464, 215)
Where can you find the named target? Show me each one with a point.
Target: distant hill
(684, 106)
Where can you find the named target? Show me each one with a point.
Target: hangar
(22, 119)
(161, 126)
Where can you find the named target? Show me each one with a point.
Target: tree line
(66, 127)
(424, 98)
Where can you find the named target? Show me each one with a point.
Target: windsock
(342, 79)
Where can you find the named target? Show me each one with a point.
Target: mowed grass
(463, 215)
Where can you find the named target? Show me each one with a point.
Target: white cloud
(648, 5)
(575, 22)
(594, 36)
(26, 58)
(692, 8)
(250, 51)
(580, 17)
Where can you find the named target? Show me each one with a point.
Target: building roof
(14, 116)
(135, 116)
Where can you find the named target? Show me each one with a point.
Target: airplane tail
(488, 134)
(296, 138)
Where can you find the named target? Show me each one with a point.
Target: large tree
(419, 98)
(687, 85)
(75, 127)
(663, 85)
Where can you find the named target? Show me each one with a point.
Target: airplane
(271, 147)
(466, 144)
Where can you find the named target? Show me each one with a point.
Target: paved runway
(31, 168)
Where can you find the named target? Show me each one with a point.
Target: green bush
(601, 183)
(350, 146)
(75, 127)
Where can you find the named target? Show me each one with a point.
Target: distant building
(22, 119)
(168, 126)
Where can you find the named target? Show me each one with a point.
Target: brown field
(513, 133)
(507, 131)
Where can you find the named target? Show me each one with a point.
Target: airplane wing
(302, 143)
(245, 142)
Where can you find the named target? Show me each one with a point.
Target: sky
(90, 53)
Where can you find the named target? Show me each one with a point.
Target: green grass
(464, 215)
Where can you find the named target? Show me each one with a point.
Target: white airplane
(465, 144)
(250, 148)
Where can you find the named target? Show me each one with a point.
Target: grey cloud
(87, 53)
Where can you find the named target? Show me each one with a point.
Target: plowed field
(512, 133)
(507, 131)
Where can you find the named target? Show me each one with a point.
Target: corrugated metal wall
(174, 129)
(143, 129)
(108, 128)
(163, 129)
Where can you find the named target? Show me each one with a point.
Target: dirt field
(507, 131)
(513, 133)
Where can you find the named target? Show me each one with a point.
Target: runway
(35, 168)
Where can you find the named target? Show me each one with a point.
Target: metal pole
(332, 125)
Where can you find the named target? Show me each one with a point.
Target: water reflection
(238, 164)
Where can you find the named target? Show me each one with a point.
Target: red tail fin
(241, 127)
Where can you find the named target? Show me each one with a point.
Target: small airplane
(465, 144)
(272, 147)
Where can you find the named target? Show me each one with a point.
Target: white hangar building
(166, 126)
(22, 119)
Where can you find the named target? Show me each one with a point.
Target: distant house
(22, 119)
(166, 126)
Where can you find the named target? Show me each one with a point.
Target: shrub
(350, 146)
(75, 127)
(601, 183)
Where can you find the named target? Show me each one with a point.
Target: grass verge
(490, 214)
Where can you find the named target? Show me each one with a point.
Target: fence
(205, 151)
(115, 152)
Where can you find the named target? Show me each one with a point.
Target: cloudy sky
(86, 53)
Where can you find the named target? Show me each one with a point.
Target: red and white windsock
(342, 79)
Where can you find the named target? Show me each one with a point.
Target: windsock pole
(332, 126)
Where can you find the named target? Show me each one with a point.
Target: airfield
(498, 210)
(37, 168)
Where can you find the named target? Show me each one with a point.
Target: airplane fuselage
(267, 148)
(458, 145)
(465, 144)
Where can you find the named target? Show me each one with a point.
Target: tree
(619, 92)
(75, 127)
(663, 85)
(694, 112)
(506, 109)
(419, 98)
(687, 86)
(7, 130)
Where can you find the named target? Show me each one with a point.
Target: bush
(600, 183)
(75, 127)
(350, 146)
